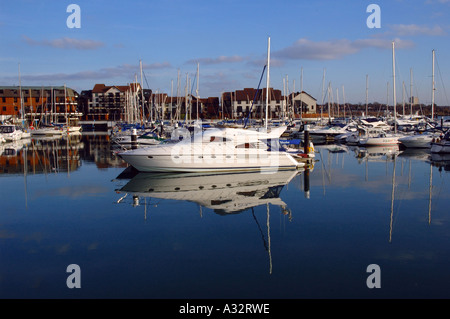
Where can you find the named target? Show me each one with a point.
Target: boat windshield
(274, 145)
(447, 135)
(6, 129)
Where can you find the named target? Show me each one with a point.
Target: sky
(328, 48)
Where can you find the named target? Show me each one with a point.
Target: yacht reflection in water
(224, 193)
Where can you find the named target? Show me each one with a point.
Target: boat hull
(416, 141)
(218, 163)
(379, 141)
(47, 132)
(443, 147)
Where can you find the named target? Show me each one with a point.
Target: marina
(305, 233)
(169, 153)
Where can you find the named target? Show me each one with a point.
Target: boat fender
(310, 149)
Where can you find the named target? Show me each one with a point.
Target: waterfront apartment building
(127, 103)
(114, 103)
(302, 103)
(38, 103)
(241, 103)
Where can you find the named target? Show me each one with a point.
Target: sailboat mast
(301, 92)
(329, 98)
(65, 105)
(367, 94)
(343, 97)
(142, 93)
(323, 96)
(196, 92)
(411, 90)
(267, 82)
(433, 89)
(171, 101)
(20, 96)
(393, 73)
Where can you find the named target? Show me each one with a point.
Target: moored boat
(216, 149)
(11, 133)
(441, 145)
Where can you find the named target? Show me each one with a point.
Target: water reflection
(397, 218)
(58, 154)
(223, 193)
(41, 155)
(397, 182)
(99, 150)
(377, 153)
(442, 161)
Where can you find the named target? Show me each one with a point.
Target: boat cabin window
(6, 129)
(217, 139)
(246, 145)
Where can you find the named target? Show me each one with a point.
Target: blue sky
(228, 39)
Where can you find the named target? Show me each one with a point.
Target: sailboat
(71, 126)
(384, 138)
(424, 139)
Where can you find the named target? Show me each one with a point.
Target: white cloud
(66, 43)
(437, 1)
(218, 60)
(414, 29)
(100, 74)
(334, 49)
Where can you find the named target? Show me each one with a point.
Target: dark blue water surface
(280, 236)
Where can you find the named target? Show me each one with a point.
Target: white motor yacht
(331, 133)
(380, 139)
(441, 145)
(216, 149)
(11, 132)
(419, 140)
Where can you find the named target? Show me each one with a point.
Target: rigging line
(254, 98)
(440, 76)
(260, 230)
(145, 77)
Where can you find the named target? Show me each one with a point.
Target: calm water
(306, 235)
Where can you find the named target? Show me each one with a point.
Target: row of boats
(217, 147)
(376, 132)
(13, 132)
